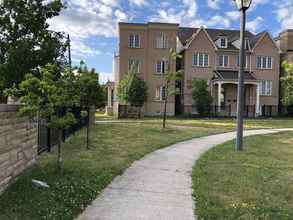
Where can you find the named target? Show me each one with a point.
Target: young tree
(47, 97)
(90, 91)
(287, 84)
(201, 96)
(132, 90)
(26, 43)
(170, 77)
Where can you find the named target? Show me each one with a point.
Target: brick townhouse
(211, 54)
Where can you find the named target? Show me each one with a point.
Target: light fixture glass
(243, 4)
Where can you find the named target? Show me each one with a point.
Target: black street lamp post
(242, 5)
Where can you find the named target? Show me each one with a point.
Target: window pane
(206, 59)
(269, 63)
(226, 60)
(238, 60)
(264, 62)
(220, 60)
(159, 67)
(200, 62)
(195, 59)
(131, 40)
(259, 62)
(136, 39)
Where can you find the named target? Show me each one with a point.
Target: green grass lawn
(254, 184)
(86, 172)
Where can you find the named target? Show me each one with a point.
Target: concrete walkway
(159, 186)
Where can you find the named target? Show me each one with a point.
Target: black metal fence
(48, 137)
(249, 111)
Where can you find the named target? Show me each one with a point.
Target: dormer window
(223, 42)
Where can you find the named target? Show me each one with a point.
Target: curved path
(159, 186)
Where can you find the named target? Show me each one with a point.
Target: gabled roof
(260, 37)
(186, 33)
(190, 40)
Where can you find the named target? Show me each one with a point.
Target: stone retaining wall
(18, 144)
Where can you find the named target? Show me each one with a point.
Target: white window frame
(134, 41)
(222, 59)
(162, 66)
(247, 44)
(159, 93)
(162, 41)
(226, 42)
(200, 59)
(266, 88)
(238, 61)
(134, 63)
(264, 62)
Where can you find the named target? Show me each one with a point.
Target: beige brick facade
(18, 144)
(189, 41)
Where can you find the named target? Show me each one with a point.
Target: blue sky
(92, 24)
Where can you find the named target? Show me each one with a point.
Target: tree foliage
(26, 43)
(49, 97)
(201, 96)
(287, 86)
(132, 90)
(91, 92)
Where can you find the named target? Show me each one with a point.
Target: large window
(223, 60)
(162, 66)
(264, 62)
(162, 41)
(201, 59)
(246, 61)
(134, 41)
(134, 66)
(161, 93)
(266, 88)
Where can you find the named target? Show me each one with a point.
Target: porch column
(219, 96)
(257, 100)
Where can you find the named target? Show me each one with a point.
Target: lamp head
(243, 4)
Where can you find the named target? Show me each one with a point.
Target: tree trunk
(88, 132)
(165, 113)
(165, 104)
(59, 155)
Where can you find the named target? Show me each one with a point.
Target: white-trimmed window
(162, 66)
(223, 60)
(264, 62)
(266, 87)
(161, 93)
(246, 61)
(223, 42)
(134, 41)
(200, 59)
(134, 65)
(162, 41)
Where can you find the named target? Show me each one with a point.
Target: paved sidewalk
(159, 186)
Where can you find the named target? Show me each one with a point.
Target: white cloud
(284, 14)
(257, 3)
(83, 19)
(214, 4)
(233, 15)
(218, 20)
(138, 2)
(255, 24)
